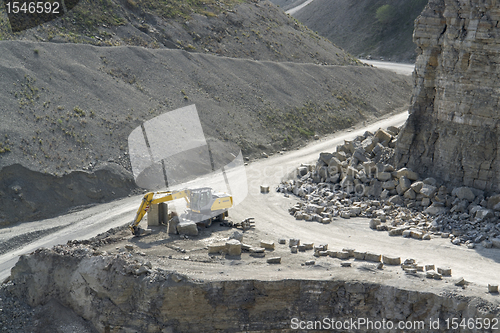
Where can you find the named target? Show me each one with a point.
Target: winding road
(271, 214)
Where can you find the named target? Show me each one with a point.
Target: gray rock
(464, 193)
(493, 201)
(487, 244)
(430, 181)
(396, 200)
(405, 172)
(389, 185)
(428, 190)
(495, 242)
(237, 235)
(436, 210)
(417, 186)
(410, 194)
(302, 171)
(325, 157)
(374, 223)
(359, 155)
(384, 176)
(483, 213)
(187, 228)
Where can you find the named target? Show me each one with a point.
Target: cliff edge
(452, 131)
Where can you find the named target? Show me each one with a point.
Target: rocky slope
(452, 131)
(71, 107)
(249, 29)
(358, 179)
(366, 27)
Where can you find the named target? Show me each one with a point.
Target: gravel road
(271, 214)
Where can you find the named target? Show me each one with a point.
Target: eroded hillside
(248, 29)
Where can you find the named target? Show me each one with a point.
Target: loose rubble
(358, 180)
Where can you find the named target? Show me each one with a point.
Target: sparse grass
(79, 112)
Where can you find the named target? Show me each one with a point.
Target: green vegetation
(4, 147)
(89, 16)
(79, 112)
(385, 14)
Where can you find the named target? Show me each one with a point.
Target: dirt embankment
(71, 107)
(28, 195)
(248, 29)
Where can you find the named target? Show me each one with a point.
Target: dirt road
(90, 222)
(272, 219)
(398, 68)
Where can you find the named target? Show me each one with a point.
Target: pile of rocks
(358, 180)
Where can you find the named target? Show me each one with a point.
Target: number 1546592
(39, 7)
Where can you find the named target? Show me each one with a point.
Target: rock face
(452, 131)
(116, 294)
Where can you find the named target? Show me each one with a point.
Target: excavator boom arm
(149, 200)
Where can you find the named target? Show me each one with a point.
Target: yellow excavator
(203, 205)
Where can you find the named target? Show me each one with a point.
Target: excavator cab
(200, 199)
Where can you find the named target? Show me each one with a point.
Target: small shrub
(385, 14)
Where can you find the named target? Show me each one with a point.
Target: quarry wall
(453, 128)
(117, 294)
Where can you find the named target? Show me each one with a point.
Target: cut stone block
(294, 249)
(350, 251)
(274, 260)
(460, 282)
(233, 247)
(216, 248)
(264, 189)
(345, 264)
(359, 255)
(492, 288)
(246, 247)
(430, 267)
(258, 255)
(342, 255)
(257, 250)
(388, 260)
(308, 246)
(268, 245)
(154, 215)
(374, 223)
(310, 262)
(282, 241)
(293, 242)
(445, 271)
(369, 256)
(187, 228)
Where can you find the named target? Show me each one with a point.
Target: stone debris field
(358, 180)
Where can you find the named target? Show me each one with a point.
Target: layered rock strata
(119, 294)
(453, 128)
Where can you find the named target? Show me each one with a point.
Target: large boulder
(493, 201)
(187, 228)
(411, 175)
(428, 190)
(464, 193)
